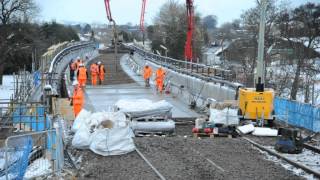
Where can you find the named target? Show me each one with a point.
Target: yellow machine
(256, 104)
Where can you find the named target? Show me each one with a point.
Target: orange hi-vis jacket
(160, 74)
(78, 98)
(101, 69)
(78, 101)
(147, 72)
(94, 69)
(82, 73)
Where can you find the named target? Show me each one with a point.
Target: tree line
(22, 39)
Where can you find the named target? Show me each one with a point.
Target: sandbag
(82, 138)
(81, 119)
(114, 141)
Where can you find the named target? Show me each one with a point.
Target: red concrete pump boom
(188, 46)
(107, 4)
(143, 10)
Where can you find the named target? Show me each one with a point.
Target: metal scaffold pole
(260, 63)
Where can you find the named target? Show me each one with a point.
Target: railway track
(195, 152)
(298, 162)
(150, 165)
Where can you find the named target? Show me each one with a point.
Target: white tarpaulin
(92, 133)
(144, 107)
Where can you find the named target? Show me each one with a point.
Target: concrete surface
(104, 97)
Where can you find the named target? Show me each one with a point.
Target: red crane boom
(107, 4)
(143, 10)
(188, 46)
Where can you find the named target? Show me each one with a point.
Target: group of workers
(77, 67)
(159, 80)
(97, 70)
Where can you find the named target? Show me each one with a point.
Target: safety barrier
(297, 114)
(201, 71)
(26, 117)
(32, 155)
(62, 59)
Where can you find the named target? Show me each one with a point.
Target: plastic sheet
(162, 126)
(297, 114)
(261, 131)
(225, 116)
(245, 129)
(144, 107)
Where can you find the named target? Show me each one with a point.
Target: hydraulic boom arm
(188, 46)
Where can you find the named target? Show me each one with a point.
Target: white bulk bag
(82, 118)
(81, 139)
(114, 141)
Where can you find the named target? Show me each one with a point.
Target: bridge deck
(104, 97)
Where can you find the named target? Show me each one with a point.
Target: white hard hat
(99, 62)
(78, 57)
(75, 83)
(81, 64)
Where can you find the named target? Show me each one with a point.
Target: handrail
(201, 71)
(61, 54)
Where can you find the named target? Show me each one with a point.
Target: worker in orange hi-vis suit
(82, 75)
(94, 73)
(160, 75)
(102, 72)
(78, 62)
(147, 73)
(77, 99)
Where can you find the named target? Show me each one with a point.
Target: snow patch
(39, 167)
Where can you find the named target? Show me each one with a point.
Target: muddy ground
(183, 157)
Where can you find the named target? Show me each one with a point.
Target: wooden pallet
(211, 135)
(196, 135)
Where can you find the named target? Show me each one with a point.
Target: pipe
(153, 126)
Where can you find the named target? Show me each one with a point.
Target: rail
(201, 71)
(279, 155)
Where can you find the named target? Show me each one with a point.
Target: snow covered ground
(307, 157)
(6, 89)
(38, 168)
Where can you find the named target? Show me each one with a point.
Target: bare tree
(15, 9)
(170, 29)
(301, 27)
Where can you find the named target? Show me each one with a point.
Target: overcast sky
(124, 11)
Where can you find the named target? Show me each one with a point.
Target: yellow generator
(256, 105)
